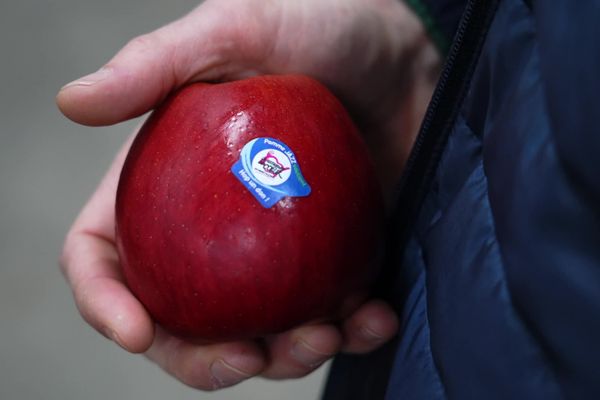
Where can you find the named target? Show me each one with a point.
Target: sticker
(269, 170)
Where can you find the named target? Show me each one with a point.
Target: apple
(247, 208)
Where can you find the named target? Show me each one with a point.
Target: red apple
(198, 247)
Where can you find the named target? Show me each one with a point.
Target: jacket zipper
(410, 193)
(441, 115)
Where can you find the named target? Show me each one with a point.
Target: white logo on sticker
(271, 167)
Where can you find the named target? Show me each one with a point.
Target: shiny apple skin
(207, 261)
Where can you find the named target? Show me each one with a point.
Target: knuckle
(65, 257)
(143, 43)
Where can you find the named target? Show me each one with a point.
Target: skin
(373, 54)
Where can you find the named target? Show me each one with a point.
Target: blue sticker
(269, 170)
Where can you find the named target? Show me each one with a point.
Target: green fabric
(437, 36)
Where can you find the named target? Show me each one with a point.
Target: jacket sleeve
(440, 18)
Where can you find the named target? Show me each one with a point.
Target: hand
(358, 48)
(90, 264)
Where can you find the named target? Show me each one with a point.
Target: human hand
(91, 266)
(223, 41)
(373, 54)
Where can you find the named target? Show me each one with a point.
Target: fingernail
(90, 79)
(369, 334)
(223, 374)
(114, 336)
(308, 355)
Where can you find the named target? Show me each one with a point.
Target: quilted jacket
(494, 264)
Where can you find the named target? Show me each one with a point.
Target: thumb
(150, 66)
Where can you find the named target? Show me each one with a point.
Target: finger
(373, 324)
(206, 367)
(296, 353)
(150, 66)
(90, 264)
(103, 300)
(139, 76)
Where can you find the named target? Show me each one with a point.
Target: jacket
(495, 262)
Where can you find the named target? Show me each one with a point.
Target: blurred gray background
(48, 168)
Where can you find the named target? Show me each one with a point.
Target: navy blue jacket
(494, 266)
